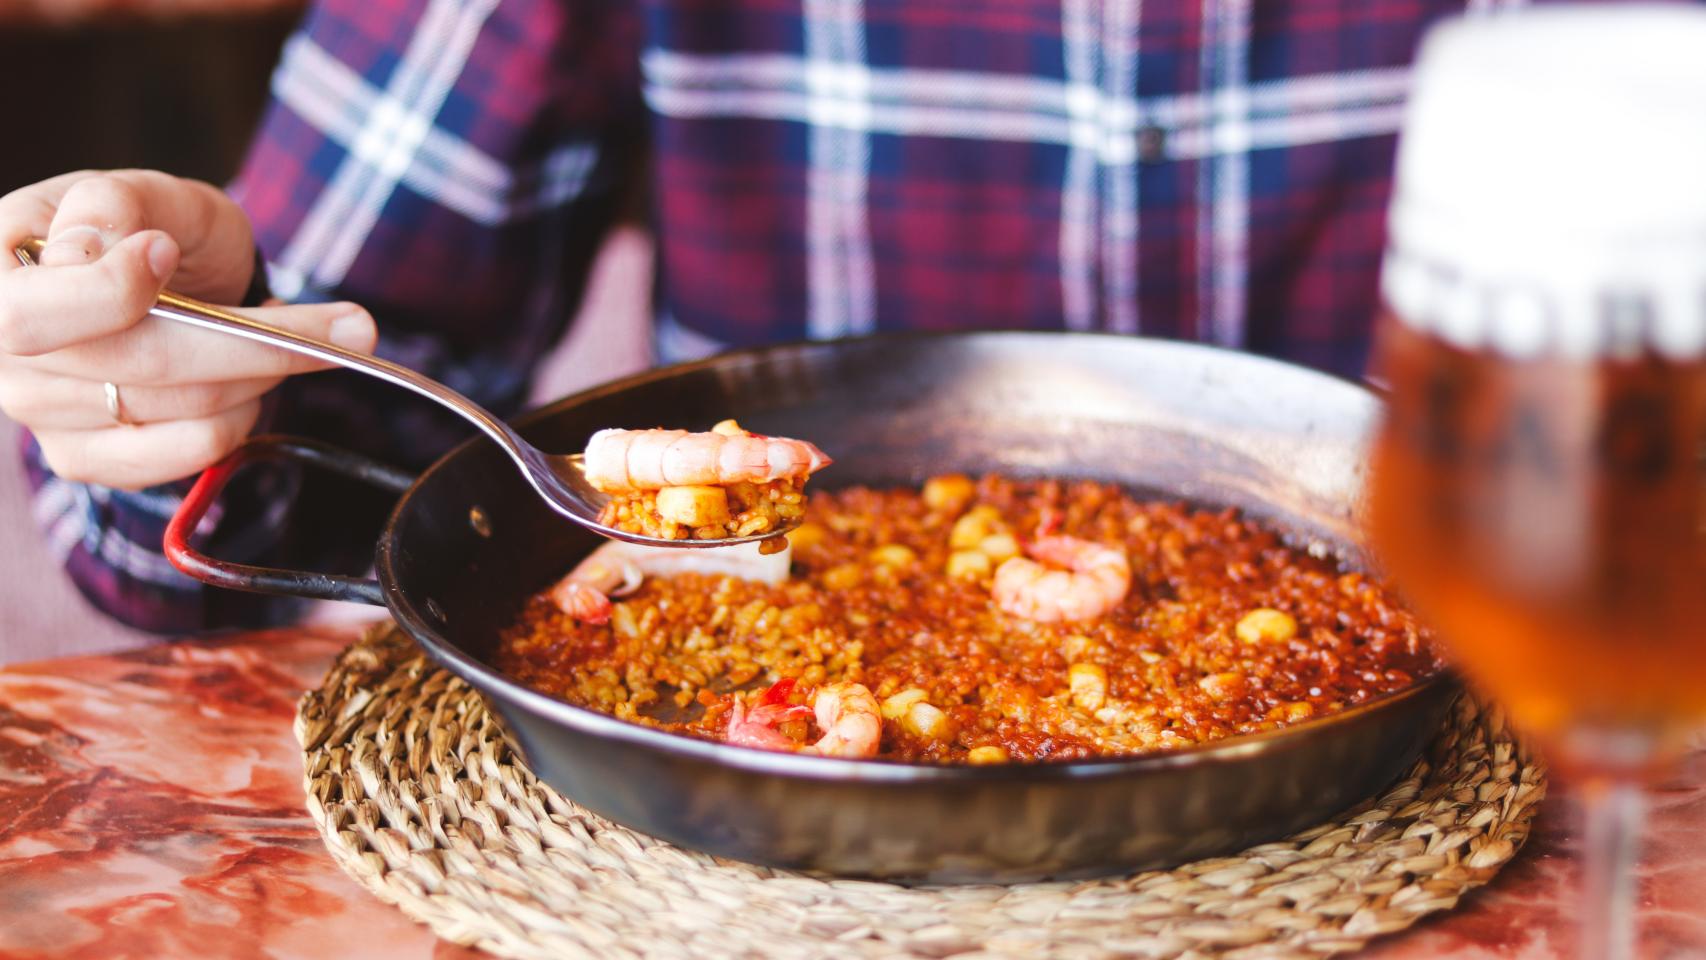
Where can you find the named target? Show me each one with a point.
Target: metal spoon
(559, 478)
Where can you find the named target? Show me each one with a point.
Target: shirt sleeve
(450, 164)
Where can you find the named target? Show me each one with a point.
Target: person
(1216, 171)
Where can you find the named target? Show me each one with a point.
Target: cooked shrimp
(757, 727)
(585, 593)
(847, 713)
(617, 568)
(620, 461)
(1094, 581)
(851, 721)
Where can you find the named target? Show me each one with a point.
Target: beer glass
(1539, 483)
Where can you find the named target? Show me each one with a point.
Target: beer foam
(1551, 184)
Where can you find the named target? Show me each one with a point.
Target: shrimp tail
(1048, 522)
(581, 601)
(779, 692)
(757, 727)
(773, 706)
(585, 593)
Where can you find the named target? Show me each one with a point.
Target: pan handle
(242, 576)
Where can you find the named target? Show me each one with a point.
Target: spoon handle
(173, 306)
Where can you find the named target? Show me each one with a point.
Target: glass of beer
(1539, 483)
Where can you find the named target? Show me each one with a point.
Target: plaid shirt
(1215, 170)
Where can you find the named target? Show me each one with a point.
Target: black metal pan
(468, 542)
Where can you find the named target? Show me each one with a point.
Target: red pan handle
(275, 580)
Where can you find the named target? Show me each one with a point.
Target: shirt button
(1151, 143)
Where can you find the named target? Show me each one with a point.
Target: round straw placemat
(421, 797)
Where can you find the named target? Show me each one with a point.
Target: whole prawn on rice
(1064, 579)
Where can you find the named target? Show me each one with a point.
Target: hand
(79, 320)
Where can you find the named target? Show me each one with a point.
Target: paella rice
(744, 509)
(1225, 629)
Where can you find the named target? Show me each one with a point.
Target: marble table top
(151, 806)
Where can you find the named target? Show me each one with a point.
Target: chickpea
(925, 720)
(1222, 686)
(969, 564)
(844, 577)
(975, 524)
(897, 705)
(1266, 625)
(948, 492)
(1089, 685)
(893, 555)
(807, 535)
(999, 546)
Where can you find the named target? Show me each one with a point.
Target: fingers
(46, 401)
(131, 458)
(94, 213)
(50, 308)
(73, 246)
(28, 212)
(89, 213)
(162, 353)
(81, 319)
(83, 214)
(99, 211)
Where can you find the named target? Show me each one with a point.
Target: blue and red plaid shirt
(1215, 170)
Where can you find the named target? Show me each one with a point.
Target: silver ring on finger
(115, 405)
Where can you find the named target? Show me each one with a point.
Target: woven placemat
(421, 797)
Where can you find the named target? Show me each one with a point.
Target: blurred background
(178, 85)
